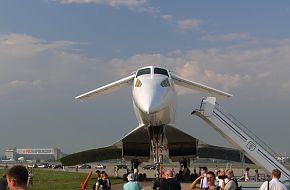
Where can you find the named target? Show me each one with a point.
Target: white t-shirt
(274, 184)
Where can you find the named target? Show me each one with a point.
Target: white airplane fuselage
(154, 104)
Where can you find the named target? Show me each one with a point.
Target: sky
(54, 50)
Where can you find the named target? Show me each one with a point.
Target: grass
(60, 180)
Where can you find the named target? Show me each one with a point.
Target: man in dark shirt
(169, 183)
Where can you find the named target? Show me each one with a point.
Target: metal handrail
(246, 131)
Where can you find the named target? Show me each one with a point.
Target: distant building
(34, 153)
(10, 154)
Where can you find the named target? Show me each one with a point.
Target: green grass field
(60, 180)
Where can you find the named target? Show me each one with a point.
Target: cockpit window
(160, 71)
(143, 72)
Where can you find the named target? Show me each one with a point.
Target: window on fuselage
(143, 72)
(161, 71)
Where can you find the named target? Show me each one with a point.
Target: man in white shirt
(203, 181)
(274, 184)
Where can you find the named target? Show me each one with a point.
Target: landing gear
(156, 134)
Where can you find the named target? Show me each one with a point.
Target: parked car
(43, 165)
(33, 166)
(121, 166)
(100, 166)
(56, 166)
(85, 166)
(149, 167)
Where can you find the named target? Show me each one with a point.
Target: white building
(34, 153)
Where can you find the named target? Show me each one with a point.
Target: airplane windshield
(160, 71)
(143, 72)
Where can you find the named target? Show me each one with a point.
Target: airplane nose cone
(153, 99)
(149, 106)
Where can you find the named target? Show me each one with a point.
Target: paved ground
(148, 186)
(185, 186)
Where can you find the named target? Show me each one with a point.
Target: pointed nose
(153, 99)
(150, 104)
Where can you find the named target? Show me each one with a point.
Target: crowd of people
(219, 179)
(19, 178)
(225, 180)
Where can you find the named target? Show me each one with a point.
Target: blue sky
(54, 50)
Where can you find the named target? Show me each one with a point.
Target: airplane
(154, 102)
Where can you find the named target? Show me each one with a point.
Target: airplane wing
(93, 155)
(127, 81)
(197, 86)
(137, 146)
(221, 153)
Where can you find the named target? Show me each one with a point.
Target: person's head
(247, 169)
(17, 176)
(168, 174)
(210, 176)
(230, 173)
(130, 177)
(276, 173)
(103, 175)
(98, 173)
(203, 170)
(222, 172)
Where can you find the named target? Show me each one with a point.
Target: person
(108, 181)
(231, 184)
(203, 181)
(17, 177)
(30, 179)
(131, 184)
(210, 180)
(257, 177)
(221, 178)
(274, 184)
(3, 183)
(98, 174)
(101, 184)
(116, 170)
(169, 183)
(247, 174)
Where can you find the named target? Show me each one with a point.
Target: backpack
(102, 183)
(237, 185)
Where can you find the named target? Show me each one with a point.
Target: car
(121, 166)
(85, 166)
(57, 166)
(100, 166)
(33, 166)
(43, 165)
(149, 167)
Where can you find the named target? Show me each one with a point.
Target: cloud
(166, 17)
(131, 4)
(28, 63)
(227, 68)
(24, 45)
(39, 64)
(188, 24)
(228, 37)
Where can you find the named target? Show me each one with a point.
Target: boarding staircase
(240, 136)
